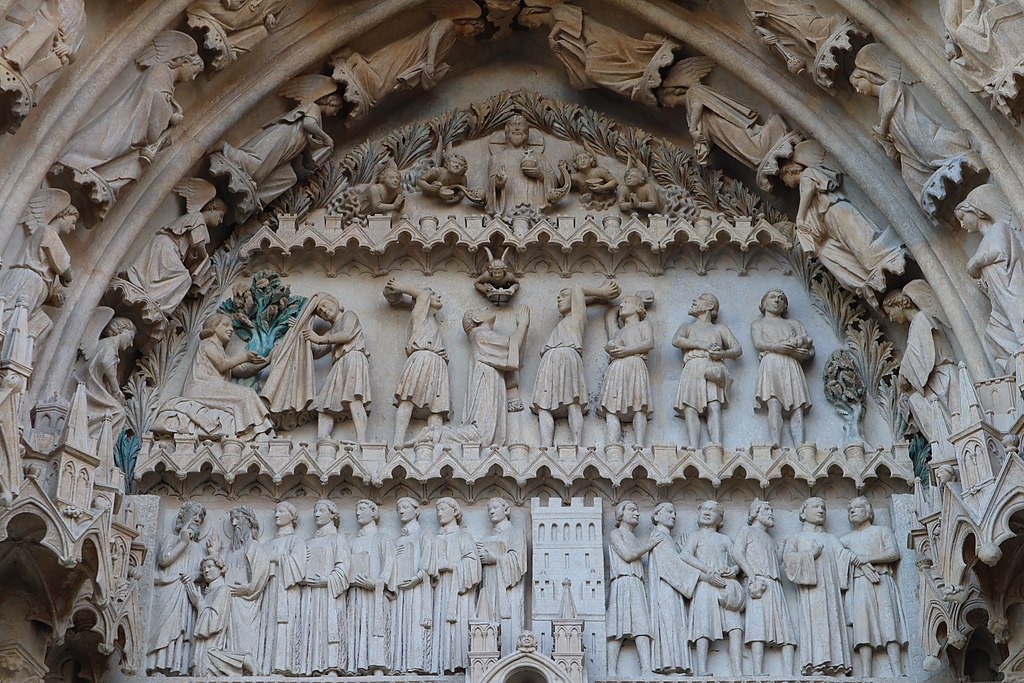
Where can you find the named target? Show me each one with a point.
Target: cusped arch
(525, 667)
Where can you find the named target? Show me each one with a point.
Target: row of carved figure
(372, 603)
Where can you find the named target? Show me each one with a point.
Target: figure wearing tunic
(703, 379)
(812, 560)
(281, 602)
(414, 618)
(457, 568)
(670, 582)
(369, 609)
(502, 595)
(999, 263)
(170, 646)
(560, 380)
(494, 354)
(322, 627)
(425, 382)
(714, 611)
(250, 567)
(214, 655)
(780, 376)
(767, 618)
(730, 125)
(873, 603)
(349, 378)
(628, 615)
(35, 278)
(627, 384)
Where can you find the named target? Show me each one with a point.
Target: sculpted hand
(253, 357)
(270, 22)
(238, 589)
(410, 583)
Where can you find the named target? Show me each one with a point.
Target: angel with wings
(264, 167)
(231, 28)
(99, 369)
(175, 261)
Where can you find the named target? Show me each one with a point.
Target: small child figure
(497, 283)
(639, 193)
(386, 194)
(448, 182)
(595, 183)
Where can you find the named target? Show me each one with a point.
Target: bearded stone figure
(520, 179)
(414, 619)
(502, 597)
(248, 569)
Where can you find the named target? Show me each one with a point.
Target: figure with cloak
(415, 60)
(933, 159)
(928, 371)
(210, 402)
(99, 372)
(717, 120)
(174, 262)
(114, 148)
(456, 565)
(371, 593)
(767, 622)
(520, 179)
(998, 265)
(213, 653)
(229, 29)
(321, 644)
(414, 619)
(280, 612)
(672, 577)
(875, 610)
(814, 561)
(502, 597)
(828, 226)
(626, 390)
(38, 38)
(599, 56)
(561, 388)
(628, 616)
(290, 389)
(294, 144)
(170, 643)
(44, 268)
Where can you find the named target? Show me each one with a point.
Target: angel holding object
(447, 181)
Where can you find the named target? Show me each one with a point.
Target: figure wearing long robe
(456, 565)
(250, 567)
(413, 626)
(999, 263)
(798, 25)
(873, 605)
(369, 613)
(281, 607)
(99, 373)
(929, 368)
(520, 193)
(170, 645)
(214, 652)
(502, 595)
(237, 25)
(40, 37)
(714, 118)
(322, 631)
(766, 619)
(172, 262)
(671, 582)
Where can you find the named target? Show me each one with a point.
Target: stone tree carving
(415, 60)
(704, 382)
(44, 269)
(875, 610)
(628, 616)
(210, 403)
(783, 345)
(175, 262)
(934, 160)
(672, 578)
(262, 168)
(626, 391)
(228, 29)
(214, 648)
(805, 38)
(99, 372)
(115, 146)
(502, 597)
(813, 560)
(928, 371)
(998, 265)
(370, 594)
(845, 390)
(414, 619)
(831, 228)
(598, 56)
(767, 622)
(716, 609)
(38, 39)
(323, 627)
(456, 565)
(170, 643)
(424, 389)
(561, 386)
(520, 179)
(281, 608)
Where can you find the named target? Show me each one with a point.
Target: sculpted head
(408, 509)
(366, 512)
(705, 303)
(761, 511)
(584, 160)
(328, 308)
(326, 512)
(498, 510)
(710, 514)
(455, 163)
(286, 515)
(774, 301)
(245, 526)
(860, 511)
(984, 206)
(517, 131)
(875, 66)
(627, 512)
(813, 511)
(218, 326)
(665, 515)
(898, 307)
(191, 516)
(448, 510)
(212, 568)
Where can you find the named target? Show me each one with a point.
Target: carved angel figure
(998, 264)
(626, 391)
(230, 28)
(175, 261)
(411, 61)
(628, 613)
(114, 148)
(830, 227)
(98, 371)
(561, 387)
(211, 403)
(520, 179)
(270, 162)
(414, 620)
(928, 372)
(803, 37)
(503, 560)
(385, 195)
(447, 181)
(370, 594)
(45, 265)
(38, 38)
(599, 56)
(638, 193)
(715, 119)
(933, 159)
(456, 565)
(781, 385)
(323, 627)
(595, 183)
(704, 382)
